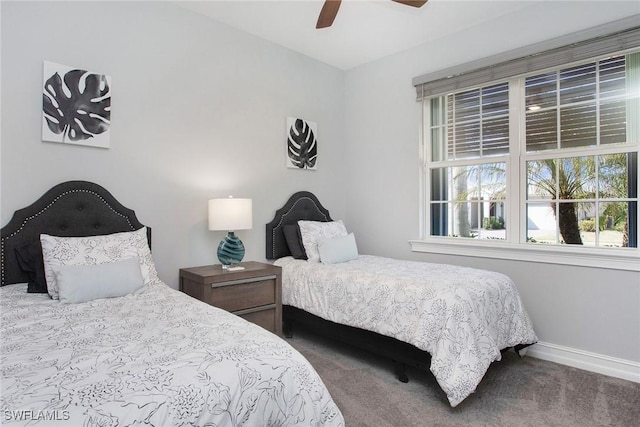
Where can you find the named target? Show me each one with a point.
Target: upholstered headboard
(303, 205)
(70, 209)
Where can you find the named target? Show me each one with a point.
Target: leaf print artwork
(76, 106)
(302, 144)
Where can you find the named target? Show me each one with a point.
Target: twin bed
(452, 320)
(77, 350)
(148, 354)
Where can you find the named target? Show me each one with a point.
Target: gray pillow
(29, 258)
(294, 241)
(82, 283)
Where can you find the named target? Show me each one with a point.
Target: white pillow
(334, 250)
(94, 250)
(81, 283)
(310, 231)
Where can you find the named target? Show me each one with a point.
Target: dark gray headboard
(70, 209)
(303, 205)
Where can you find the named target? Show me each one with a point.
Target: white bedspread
(462, 316)
(159, 358)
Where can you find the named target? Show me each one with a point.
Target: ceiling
(366, 30)
(363, 31)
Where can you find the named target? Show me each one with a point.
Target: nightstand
(254, 293)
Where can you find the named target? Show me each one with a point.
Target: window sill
(615, 259)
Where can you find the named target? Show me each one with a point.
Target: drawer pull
(243, 281)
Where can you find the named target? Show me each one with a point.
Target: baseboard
(606, 365)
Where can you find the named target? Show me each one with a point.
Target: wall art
(302, 144)
(76, 106)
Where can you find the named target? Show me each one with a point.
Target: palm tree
(463, 226)
(563, 180)
(476, 184)
(578, 178)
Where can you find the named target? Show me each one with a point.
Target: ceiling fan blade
(417, 3)
(328, 13)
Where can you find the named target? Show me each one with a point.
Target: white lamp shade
(230, 214)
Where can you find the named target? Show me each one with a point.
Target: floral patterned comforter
(159, 358)
(462, 316)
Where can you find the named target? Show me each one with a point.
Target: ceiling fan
(330, 10)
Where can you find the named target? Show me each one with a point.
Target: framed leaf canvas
(302, 144)
(76, 106)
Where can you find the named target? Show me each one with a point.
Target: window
(543, 159)
(591, 197)
(469, 144)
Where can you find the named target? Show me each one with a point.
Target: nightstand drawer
(254, 293)
(244, 295)
(265, 318)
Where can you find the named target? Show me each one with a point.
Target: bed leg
(519, 347)
(287, 329)
(401, 371)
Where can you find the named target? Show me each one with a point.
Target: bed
(454, 321)
(152, 356)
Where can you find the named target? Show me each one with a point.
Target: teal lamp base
(230, 250)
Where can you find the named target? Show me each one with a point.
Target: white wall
(586, 309)
(198, 111)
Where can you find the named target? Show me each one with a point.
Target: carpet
(514, 392)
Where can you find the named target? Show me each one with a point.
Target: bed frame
(303, 205)
(69, 209)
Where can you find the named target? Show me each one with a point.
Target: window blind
(613, 37)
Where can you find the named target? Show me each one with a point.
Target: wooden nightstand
(254, 293)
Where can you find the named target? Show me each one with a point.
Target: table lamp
(230, 214)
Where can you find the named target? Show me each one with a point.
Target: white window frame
(516, 247)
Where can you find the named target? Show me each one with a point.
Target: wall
(198, 111)
(584, 311)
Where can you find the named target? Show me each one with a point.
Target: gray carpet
(514, 392)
